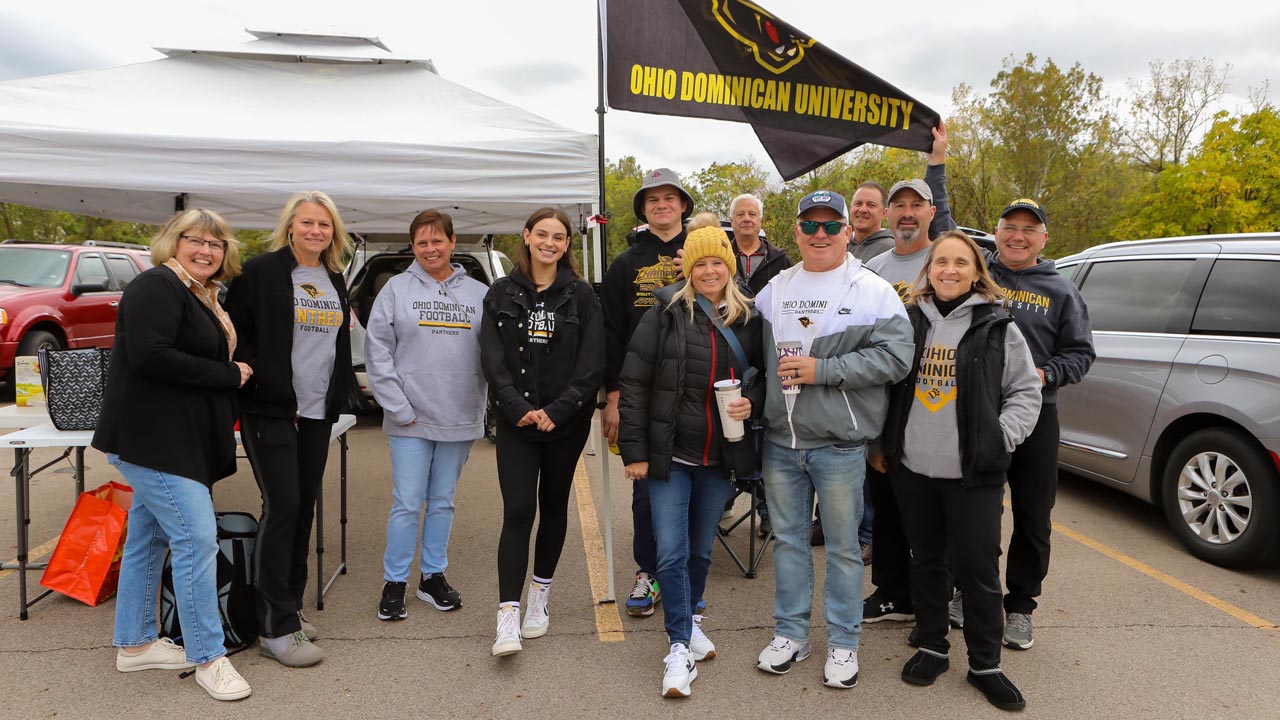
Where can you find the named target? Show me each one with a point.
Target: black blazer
(170, 402)
(260, 302)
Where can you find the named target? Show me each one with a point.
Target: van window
(1241, 297)
(1068, 271)
(1134, 295)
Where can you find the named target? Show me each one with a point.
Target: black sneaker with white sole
(877, 608)
(436, 592)
(392, 605)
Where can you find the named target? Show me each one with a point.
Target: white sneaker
(680, 672)
(700, 646)
(841, 670)
(221, 680)
(508, 642)
(781, 653)
(163, 654)
(536, 617)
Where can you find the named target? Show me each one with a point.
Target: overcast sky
(541, 55)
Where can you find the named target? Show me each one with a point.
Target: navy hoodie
(1052, 317)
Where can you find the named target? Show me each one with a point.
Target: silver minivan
(1182, 406)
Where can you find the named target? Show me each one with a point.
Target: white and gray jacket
(863, 344)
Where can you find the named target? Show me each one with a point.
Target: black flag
(734, 60)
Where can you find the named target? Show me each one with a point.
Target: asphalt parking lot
(1130, 626)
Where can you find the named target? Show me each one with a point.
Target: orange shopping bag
(86, 563)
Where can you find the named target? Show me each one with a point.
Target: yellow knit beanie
(705, 242)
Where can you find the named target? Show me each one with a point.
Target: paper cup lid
(728, 383)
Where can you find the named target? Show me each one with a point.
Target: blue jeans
(171, 512)
(686, 508)
(422, 471)
(791, 477)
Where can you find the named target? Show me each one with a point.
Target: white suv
(378, 258)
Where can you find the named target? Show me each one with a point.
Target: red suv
(61, 296)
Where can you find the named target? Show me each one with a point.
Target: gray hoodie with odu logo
(422, 355)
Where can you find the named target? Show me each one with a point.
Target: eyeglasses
(830, 227)
(199, 242)
(1025, 230)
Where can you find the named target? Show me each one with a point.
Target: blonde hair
(164, 246)
(334, 255)
(983, 285)
(706, 218)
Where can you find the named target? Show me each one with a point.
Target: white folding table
(45, 435)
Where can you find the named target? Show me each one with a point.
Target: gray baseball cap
(921, 188)
(658, 178)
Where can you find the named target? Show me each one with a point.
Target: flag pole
(601, 248)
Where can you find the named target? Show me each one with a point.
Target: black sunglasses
(830, 227)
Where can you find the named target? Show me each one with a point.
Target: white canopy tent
(239, 129)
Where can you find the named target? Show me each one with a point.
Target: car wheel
(1222, 498)
(36, 340)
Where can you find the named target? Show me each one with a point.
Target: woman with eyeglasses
(290, 308)
(167, 425)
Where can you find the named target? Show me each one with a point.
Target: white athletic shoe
(781, 654)
(536, 617)
(841, 670)
(508, 640)
(221, 681)
(679, 673)
(700, 646)
(162, 654)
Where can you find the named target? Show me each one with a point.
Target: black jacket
(979, 368)
(561, 377)
(667, 405)
(260, 303)
(775, 261)
(628, 292)
(170, 402)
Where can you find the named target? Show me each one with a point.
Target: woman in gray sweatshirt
(972, 395)
(423, 358)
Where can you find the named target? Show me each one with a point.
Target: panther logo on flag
(777, 47)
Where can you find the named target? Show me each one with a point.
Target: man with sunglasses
(838, 334)
(1055, 321)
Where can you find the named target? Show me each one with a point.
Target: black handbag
(74, 384)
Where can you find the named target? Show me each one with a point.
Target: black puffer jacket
(560, 376)
(667, 406)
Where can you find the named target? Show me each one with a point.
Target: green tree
(1230, 184)
(1045, 133)
(716, 185)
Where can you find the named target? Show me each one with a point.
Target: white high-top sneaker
(536, 616)
(508, 640)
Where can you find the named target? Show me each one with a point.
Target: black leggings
(535, 478)
(288, 462)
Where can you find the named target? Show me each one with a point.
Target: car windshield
(33, 267)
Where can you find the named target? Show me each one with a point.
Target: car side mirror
(82, 288)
